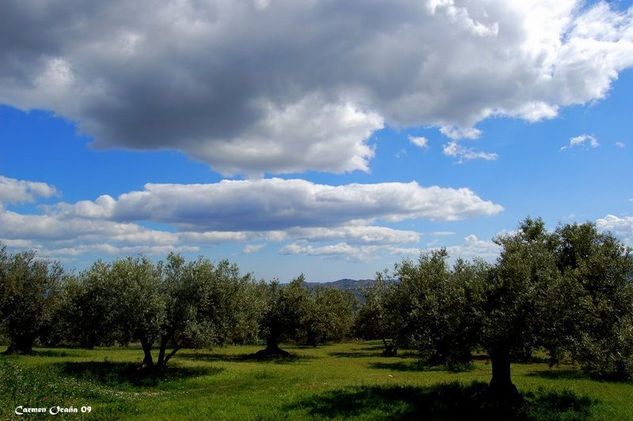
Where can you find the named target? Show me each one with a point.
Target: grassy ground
(342, 381)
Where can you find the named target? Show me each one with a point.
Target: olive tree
(90, 310)
(514, 309)
(591, 307)
(141, 303)
(384, 315)
(29, 288)
(569, 291)
(286, 308)
(329, 315)
(443, 304)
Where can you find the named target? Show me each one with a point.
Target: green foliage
(29, 291)
(230, 304)
(172, 304)
(92, 306)
(286, 309)
(514, 306)
(569, 291)
(432, 306)
(441, 306)
(382, 316)
(593, 306)
(329, 315)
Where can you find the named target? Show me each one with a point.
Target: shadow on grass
(377, 353)
(452, 401)
(560, 374)
(56, 353)
(119, 373)
(370, 348)
(575, 374)
(214, 356)
(420, 366)
(355, 354)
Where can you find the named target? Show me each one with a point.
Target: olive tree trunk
(501, 386)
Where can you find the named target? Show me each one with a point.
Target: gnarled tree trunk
(272, 349)
(163, 357)
(148, 361)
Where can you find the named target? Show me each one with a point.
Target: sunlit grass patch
(339, 381)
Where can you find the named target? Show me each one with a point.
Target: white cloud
(582, 141)
(285, 86)
(115, 250)
(17, 191)
(270, 204)
(620, 144)
(473, 247)
(53, 227)
(419, 141)
(356, 234)
(347, 251)
(255, 211)
(442, 233)
(463, 153)
(460, 132)
(252, 248)
(310, 133)
(622, 227)
(331, 250)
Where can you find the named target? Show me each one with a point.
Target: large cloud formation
(285, 86)
(189, 216)
(269, 204)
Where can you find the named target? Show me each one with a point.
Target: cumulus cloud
(346, 251)
(622, 227)
(17, 191)
(271, 204)
(331, 250)
(460, 132)
(419, 141)
(252, 248)
(463, 153)
(285, 86)
(470, 248)
(583, 141)
(356, 234)
(191, 216)
(620, 144)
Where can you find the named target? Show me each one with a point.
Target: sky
(327, 138)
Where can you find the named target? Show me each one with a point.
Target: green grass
(341, 381)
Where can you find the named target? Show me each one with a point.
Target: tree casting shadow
(120, 373)
(452, 401)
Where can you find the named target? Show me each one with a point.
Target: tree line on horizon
(568, 293)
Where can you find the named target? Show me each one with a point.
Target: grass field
(341, 381)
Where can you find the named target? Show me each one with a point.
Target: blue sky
(314, 138)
